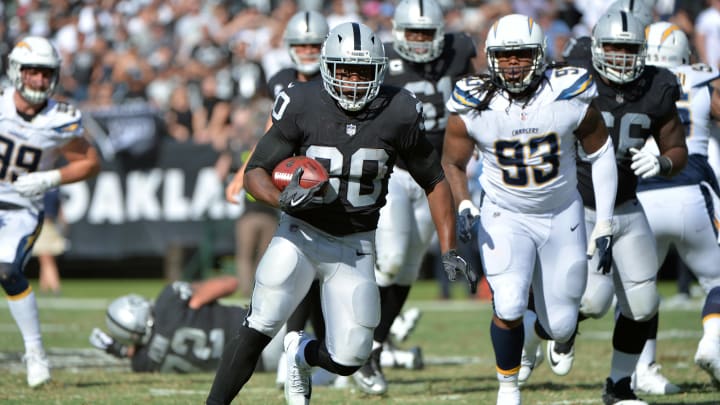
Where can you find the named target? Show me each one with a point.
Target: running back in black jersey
(186, 340)
(632, 113)
(358, 150)
(284, 78)
(433, 82)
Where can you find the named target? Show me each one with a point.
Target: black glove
(106, 343)
(452, 262)
(604, 252)
(467, 225)
(601, 240)
(295, 198)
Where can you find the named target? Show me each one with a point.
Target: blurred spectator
(556, 30)
(180, 119)
(213, 115)
(707, 34)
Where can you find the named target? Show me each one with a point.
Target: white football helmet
(510, 33)
(305, 27)
(129, 319)
(639, 9)
(419, 15)
(352, 44)
(619, 28)
(667, 45)
(33, 51)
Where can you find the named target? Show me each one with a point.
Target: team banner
(141, 205)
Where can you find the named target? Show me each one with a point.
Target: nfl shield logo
(350, 129)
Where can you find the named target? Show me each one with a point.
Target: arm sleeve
(605, 180)
(421, 159)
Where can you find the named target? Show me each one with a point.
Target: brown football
(313, 172)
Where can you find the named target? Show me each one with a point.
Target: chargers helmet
(619, 28)
(305, 27)
(667, 45)
(516, 32)
(352, 43)
(129, 319)
(639, 9)
(418, 15)
(33, 51)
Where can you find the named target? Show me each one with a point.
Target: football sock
(711, 313)
(508, 345)
(647, 356)
(392, 299)
(317, 355)
(622, 365)
(237, 364)
(24, 309)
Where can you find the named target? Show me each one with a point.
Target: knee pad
(641, 301)
(12, 279)
(355, 346)
(598, 296)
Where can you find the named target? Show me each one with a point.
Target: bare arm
(259, 183)
(671, 142)
(208, 291)
(442, 209)
(592, 132)
(83, 161)
(457, 150)
(715, 99)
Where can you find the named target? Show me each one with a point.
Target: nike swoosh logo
(573, 228)
(295, 203)
(550, 357)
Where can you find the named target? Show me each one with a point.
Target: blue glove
(452, 263)
(468, 221)
(295, 198)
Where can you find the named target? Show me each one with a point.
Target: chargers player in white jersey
(34, 131)
(691, 228)
(529, 123)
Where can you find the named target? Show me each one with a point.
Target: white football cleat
(508, 395)
(707, 357)
(647, 379)
(370, 378)
(298, 386)
(38, 367)
(528, 363)
(560, 363)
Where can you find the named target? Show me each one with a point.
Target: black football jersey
(186, 340)
(632, 113)
(357, 149)
(433, 82)
(282, 79)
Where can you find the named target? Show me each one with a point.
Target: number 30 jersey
(528, 146)
(30, 146)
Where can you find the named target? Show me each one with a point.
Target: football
(313, 172)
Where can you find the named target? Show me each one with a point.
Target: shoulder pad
(570, 82)
(700, 74)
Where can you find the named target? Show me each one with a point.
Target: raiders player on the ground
(427, 61)
(357, 129)
(530, 123)
(685, 195)
(35, 132)
(637, 102)
(183, 331)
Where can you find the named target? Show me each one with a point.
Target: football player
(35, 130)
(157, 336)
(526, 120)
(636, 102)
(427, 61)
(357, 128)
(685, 196)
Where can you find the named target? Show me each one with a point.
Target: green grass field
(454, 336)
